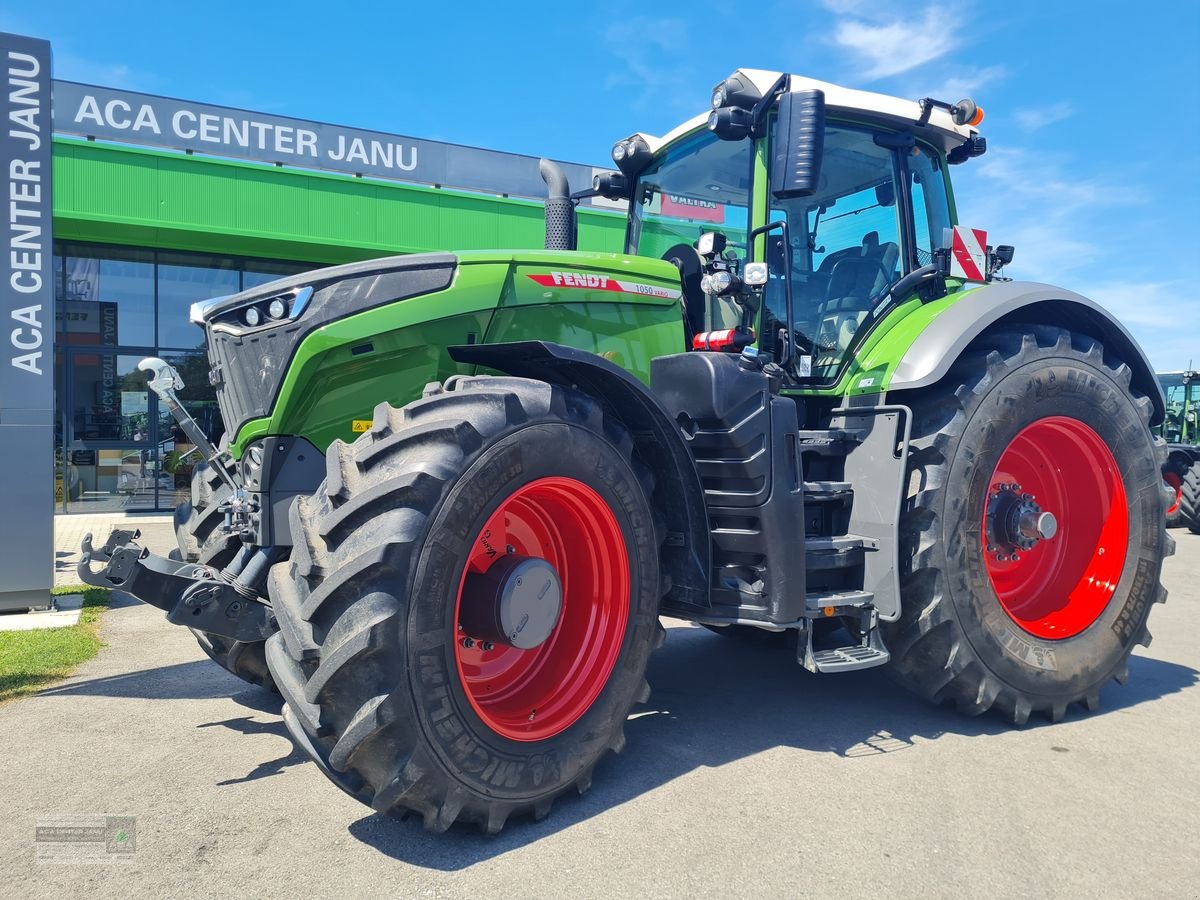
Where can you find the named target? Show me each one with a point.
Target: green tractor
(460, 489)
(1178, 428)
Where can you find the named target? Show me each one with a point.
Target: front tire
(1030, 421)
(372, 657)
(200, 539)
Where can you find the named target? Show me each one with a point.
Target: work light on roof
(631, 155)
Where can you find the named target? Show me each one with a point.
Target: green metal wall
(149, 198)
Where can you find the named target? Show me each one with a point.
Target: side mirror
(799, 144)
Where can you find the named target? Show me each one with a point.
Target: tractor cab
(842, 193)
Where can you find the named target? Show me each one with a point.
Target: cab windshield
(701, 183)
(851, 242)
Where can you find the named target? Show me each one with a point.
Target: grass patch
(31, 660)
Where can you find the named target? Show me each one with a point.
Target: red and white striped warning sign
(968, 254)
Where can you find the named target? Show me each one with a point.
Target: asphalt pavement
(745, 776)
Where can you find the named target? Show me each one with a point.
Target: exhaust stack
(560, 208)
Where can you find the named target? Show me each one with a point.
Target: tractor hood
(250, 348)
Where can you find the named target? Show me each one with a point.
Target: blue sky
(1093, 116)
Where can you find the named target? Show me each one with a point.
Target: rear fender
(656, 437)
(930, 356)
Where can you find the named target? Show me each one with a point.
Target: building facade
(148, 225)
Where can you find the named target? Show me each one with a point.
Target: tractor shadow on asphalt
(202, 680)
(716, 700)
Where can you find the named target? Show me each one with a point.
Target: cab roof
(867, 106)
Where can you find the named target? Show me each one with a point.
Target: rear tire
(383, 692)
(1173, 479)
(1189, 499)
(1045, 628)
(200, 539)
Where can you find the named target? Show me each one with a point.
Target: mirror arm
(758, 115)
(789, 346)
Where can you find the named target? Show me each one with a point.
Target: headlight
(718, 96)
(717, 283)
(270, 310)
(756, 274)
(632, 155)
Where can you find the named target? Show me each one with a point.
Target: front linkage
(224, 602)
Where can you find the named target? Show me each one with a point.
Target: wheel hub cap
(516, 602)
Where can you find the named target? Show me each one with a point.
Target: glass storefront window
(110, 399)
(122, 479)
(106, 297)
(182, 280)
(200, 399)
(115, 449)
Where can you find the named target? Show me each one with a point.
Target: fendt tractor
(1179, 428)
(458, 490)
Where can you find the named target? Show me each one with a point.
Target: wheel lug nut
(467, 643)
(487, 646)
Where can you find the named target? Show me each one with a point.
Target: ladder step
(839, 543)
(821, 599)
(824, 491)
(846, 659)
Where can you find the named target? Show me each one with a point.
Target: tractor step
(827, 491)
(819, 600)
(846, 659)
(867, 653)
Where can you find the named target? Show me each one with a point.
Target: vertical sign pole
(27, 326)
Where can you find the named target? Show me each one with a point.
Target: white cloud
(1156, 313)
(962, 82)
(892, 45)
(1084, 233)
(1039, 117)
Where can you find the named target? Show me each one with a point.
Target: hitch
(191, 594)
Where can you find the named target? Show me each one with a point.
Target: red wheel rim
(531, 695)
(1061, 585)
(1176, 484)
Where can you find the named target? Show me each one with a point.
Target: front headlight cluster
(263, 312)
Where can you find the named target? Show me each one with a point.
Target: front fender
(930, 356)
(656, 436)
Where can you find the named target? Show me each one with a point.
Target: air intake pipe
(560, 208)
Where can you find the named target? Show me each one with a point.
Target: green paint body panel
(328, 386)
(870, 370)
